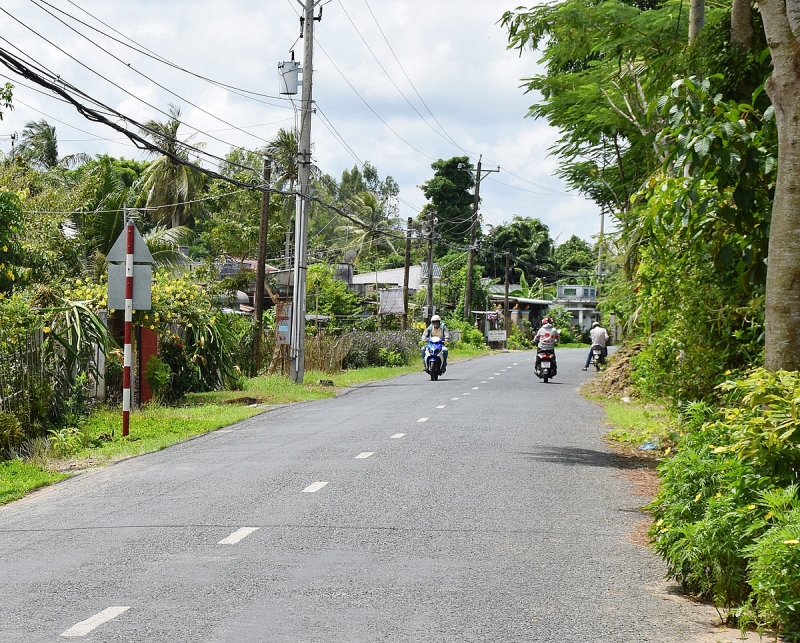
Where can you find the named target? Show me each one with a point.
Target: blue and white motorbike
(433, 357)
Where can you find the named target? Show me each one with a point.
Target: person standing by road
(598, 336)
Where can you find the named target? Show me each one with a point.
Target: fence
(24, 383)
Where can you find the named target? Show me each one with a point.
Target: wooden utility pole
(506, 311)
(258, 304)
(298, 334)
(473, 231)
(404, 320)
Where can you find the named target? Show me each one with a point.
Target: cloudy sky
(397, 83)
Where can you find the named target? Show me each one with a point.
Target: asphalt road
(482, 507)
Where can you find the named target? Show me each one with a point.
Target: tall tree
(449, 196)
(782, 344)
(170, 185)
(529, 243)
(39, 146)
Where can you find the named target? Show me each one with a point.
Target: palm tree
(370, 227)
(39, 146)
(169, 185)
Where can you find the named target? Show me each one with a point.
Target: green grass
(634, 424)
(18, 478)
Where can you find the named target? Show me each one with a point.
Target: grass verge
(17, 478)
(156, 427)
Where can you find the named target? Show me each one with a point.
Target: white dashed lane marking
(397, 436)
(84, 627)
(476, 388)
(366, 454)
(236, 536)
(454, 399)
(442, 406)
(313, 488)
(491, 378)
(422, 420)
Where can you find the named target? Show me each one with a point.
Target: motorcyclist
(598, 336)
(437, 329)
(546, 336)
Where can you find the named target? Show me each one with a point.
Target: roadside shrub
(11, 433)
(470, 335)
(184, 370)
(775, 567)
(382, 348)
(159, 377)
(727, 513)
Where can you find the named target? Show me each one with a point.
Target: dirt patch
(616, 378)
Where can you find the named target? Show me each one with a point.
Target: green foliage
(10, 220)
(11, 433)
(453, 204)
(528, 240)
(328, 296)
(158, 376)
(470, 335)
(774, 566)
(728, 513)
(562, 318)
(382, 348)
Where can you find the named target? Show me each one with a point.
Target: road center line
(422, 420)
(476, 388)
(491, 378)
(84, 627)
(397, 436)
(236, 536)
(454, 399)
(465, 394)
(366, 454)
(442, 406)
(313, 488)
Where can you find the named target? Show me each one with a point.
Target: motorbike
(597, 356)
(433, 357)
(545, 366)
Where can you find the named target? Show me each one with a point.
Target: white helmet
(435, 318)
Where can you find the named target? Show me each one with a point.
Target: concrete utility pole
(258, 304)
(472, 233)
(600, 243)
(298, 334)
(404, 321)
(431, 229)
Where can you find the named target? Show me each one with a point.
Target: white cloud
(454, 53)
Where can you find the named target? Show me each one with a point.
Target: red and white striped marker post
(128, 351)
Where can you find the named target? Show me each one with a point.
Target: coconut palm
(39, 146)
(170, 185)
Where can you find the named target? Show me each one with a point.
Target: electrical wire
(391, 80)
(450, 138)
(145, 76)
(389, 127)
(98, 74)
(151, 54)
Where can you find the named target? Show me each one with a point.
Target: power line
(157, 57)
(389, 127)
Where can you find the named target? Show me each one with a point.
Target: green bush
(159, 377)
(11, 433)
(775, 567)
(727, 513)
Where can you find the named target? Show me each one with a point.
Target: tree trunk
(697, 18)
(742, 24)
(782, 343)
